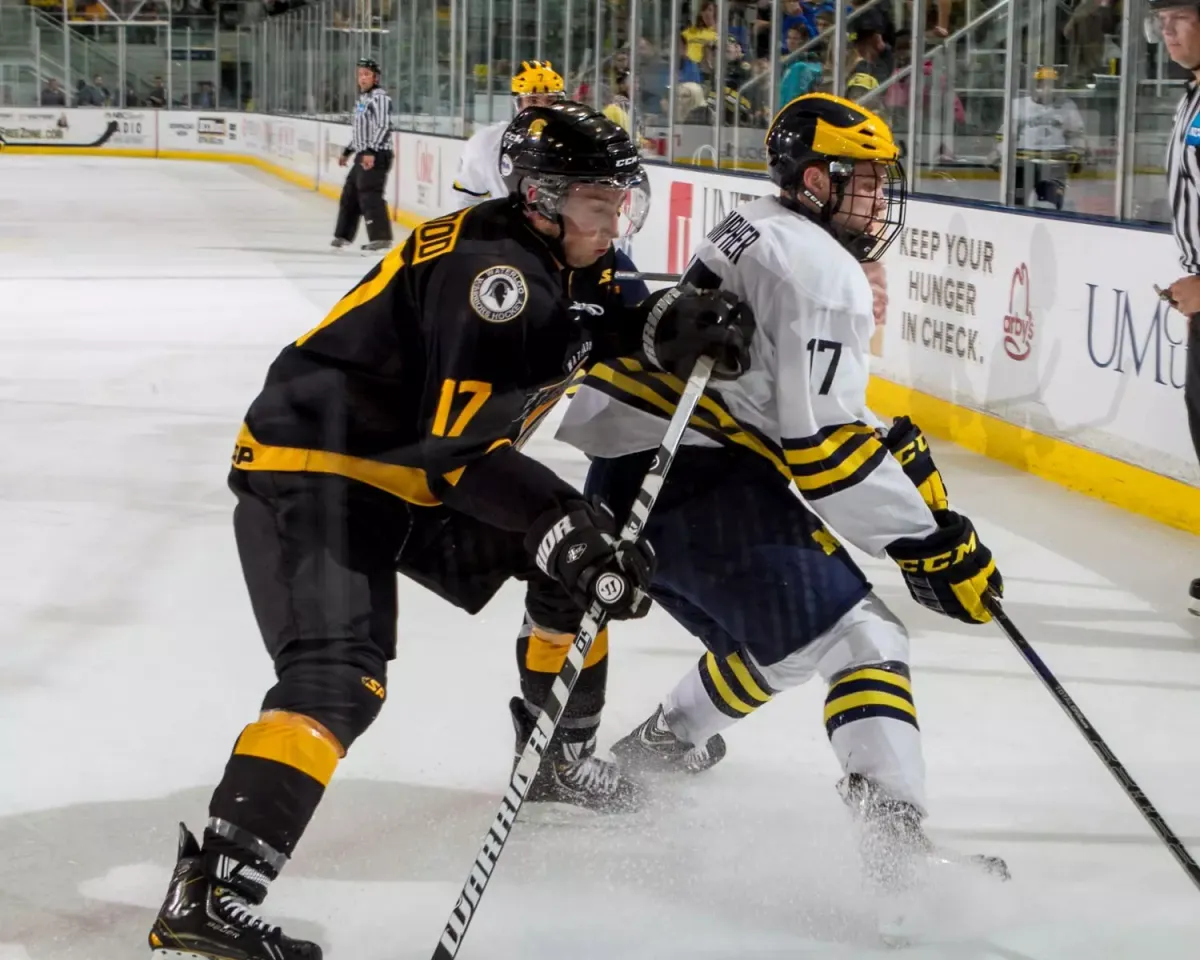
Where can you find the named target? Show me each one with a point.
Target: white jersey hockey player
(479, 175)
(743, 563)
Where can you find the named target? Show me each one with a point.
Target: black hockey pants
(362, 196)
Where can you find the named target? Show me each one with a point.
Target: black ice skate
(653, 748)
(202, 919)
(1194, 594)
(571, 773)
(339, 242)
(895, 850)
(376, 245)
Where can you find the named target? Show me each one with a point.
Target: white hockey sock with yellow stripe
(715, 695)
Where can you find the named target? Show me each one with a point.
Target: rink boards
(1035, 340)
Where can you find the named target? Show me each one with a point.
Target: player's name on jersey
(941, 336)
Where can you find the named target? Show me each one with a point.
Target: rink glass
(448, 63)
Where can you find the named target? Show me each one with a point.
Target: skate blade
(978, 863)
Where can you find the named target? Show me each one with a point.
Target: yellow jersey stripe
(388, 268)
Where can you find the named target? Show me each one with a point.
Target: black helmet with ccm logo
(546, 150)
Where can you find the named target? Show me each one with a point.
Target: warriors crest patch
(499, 294)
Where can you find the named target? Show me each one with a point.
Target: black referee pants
(362, 195)
(1191, 383)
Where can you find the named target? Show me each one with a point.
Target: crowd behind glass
(1056, 104)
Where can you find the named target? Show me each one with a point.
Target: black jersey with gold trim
(456, 344)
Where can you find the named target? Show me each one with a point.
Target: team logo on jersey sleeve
(499, 294)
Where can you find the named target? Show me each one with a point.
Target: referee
(371, 148)
(1177, 24)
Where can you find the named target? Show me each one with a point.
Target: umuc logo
(426, 163)
(1018, 322)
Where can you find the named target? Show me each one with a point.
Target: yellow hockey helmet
(819, 129)
(537, 77)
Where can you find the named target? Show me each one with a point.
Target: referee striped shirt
(1183, 178)
(372, 121)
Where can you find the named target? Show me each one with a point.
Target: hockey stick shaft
(593, 622)
(638, 275)
(1107, 757)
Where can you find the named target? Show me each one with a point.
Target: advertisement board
(427, 166)
(1049, 324)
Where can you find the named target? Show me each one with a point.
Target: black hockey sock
(272, 785)
(539, 661)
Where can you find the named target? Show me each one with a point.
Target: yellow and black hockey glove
(949, 572)
(908, 445)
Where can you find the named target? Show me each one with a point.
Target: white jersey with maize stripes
(478, 176)
(803, 402)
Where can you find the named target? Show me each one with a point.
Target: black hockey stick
(55, 145)
(593, 621)
(1107, 757)
(638, 275)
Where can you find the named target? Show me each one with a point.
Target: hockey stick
(593, 621)
(637, 275)
(42, 145)
(1107, 757)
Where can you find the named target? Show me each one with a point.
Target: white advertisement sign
(53, 126)
(136, 129)
(685, 205)
(427, 167)
(1048, 324)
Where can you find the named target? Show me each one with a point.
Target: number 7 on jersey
(816, 346)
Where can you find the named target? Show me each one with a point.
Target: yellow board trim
(883, 676)
(1131, 488)
(723, 688)
(746, 679)
(868, 698)
(289, 739)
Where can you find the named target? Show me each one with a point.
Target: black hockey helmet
(819, 129)
(548, 150)
(371, 64)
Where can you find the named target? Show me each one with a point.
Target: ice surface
(140, 304)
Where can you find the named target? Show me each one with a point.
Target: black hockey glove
(908, 445)
(577, 547)
(685, 324)
(949, 572)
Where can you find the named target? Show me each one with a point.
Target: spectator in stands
(871, 60)
(654, 76)
(688, 69)
(158, 94)
(701, 36)
(52, 94)
(102, 92)
(737, 69)
(86, 96)
(205, 98)
(803, 73)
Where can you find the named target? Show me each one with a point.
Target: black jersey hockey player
(741, 561)
(388, 439)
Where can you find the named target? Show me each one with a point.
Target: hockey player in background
(743, 563)
(388, 439)
(479, 178)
